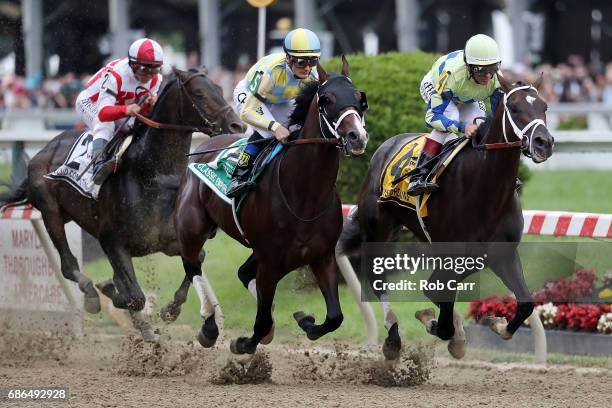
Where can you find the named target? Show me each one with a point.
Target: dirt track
(123, 372)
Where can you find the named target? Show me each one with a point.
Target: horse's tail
(351, 237)
(17, 193)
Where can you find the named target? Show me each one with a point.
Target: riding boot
(102, 168)
(240, 178)
(418, 181)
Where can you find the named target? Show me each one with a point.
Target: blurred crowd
(572, 81)
(17, 93)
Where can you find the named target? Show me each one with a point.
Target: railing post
(18, 170)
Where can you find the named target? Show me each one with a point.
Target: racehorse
(294, 216)
(478, 202)
(133, 215)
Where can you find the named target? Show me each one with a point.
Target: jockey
(455, 90)
(265, 97)
(111, 95)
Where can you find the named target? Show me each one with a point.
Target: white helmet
(481, 50)
(146, 52)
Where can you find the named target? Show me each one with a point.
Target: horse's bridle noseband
(526, 145)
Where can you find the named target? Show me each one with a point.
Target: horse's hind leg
(449, 325)
(69, 265)
(326, 273)
(266, 288)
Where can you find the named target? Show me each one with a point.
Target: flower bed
(560, 305)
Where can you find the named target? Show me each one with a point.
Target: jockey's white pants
(278, 112)
(87, 111)
(465, 112)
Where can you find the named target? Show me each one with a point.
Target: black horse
(478, 202)
(133, 215)
(294, 216)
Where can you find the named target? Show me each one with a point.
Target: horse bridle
(524, 141)
(526, 145)
(330, 130)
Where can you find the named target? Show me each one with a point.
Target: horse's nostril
(353, 136)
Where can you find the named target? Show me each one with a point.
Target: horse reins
(298, 142)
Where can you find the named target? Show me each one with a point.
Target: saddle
(395, 177)
(217, 174)
(77, 171)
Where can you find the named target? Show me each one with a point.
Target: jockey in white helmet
(454, 91)
(111, 95)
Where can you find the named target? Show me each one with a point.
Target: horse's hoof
(149, 336)
(303, 320)
(241, 346)
(207, 342)
(393, 344)
(267, 339)
(457, 348)
(107, 288)
(91, 304)
(498, 325)
(427, 317)
(170, 312)
(208, 334)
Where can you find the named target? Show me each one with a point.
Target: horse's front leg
(123, 289)
(266, 288)
(326, 273)
(171, 311)
(510, 271)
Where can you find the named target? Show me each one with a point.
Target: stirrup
(241, 187)
(421, 186)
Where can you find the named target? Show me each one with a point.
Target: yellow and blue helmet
(302, 43)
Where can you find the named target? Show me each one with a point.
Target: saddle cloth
(74, 165)
(217, 174)
(403, 162)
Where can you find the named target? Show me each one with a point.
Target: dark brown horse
(293, 218)
(478, 202)
(133, 215)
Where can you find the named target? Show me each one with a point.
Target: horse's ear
(505, 84)
(538, 81)
(321, 72)
(179, 73)
(345, 66)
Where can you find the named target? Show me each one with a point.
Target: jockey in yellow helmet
(264, 99)
(454, 90)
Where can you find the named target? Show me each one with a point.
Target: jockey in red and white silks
(110, 96)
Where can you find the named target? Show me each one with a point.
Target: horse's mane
(302, 103)
(483, 128)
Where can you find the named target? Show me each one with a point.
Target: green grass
(565, 190)
(5, 174)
